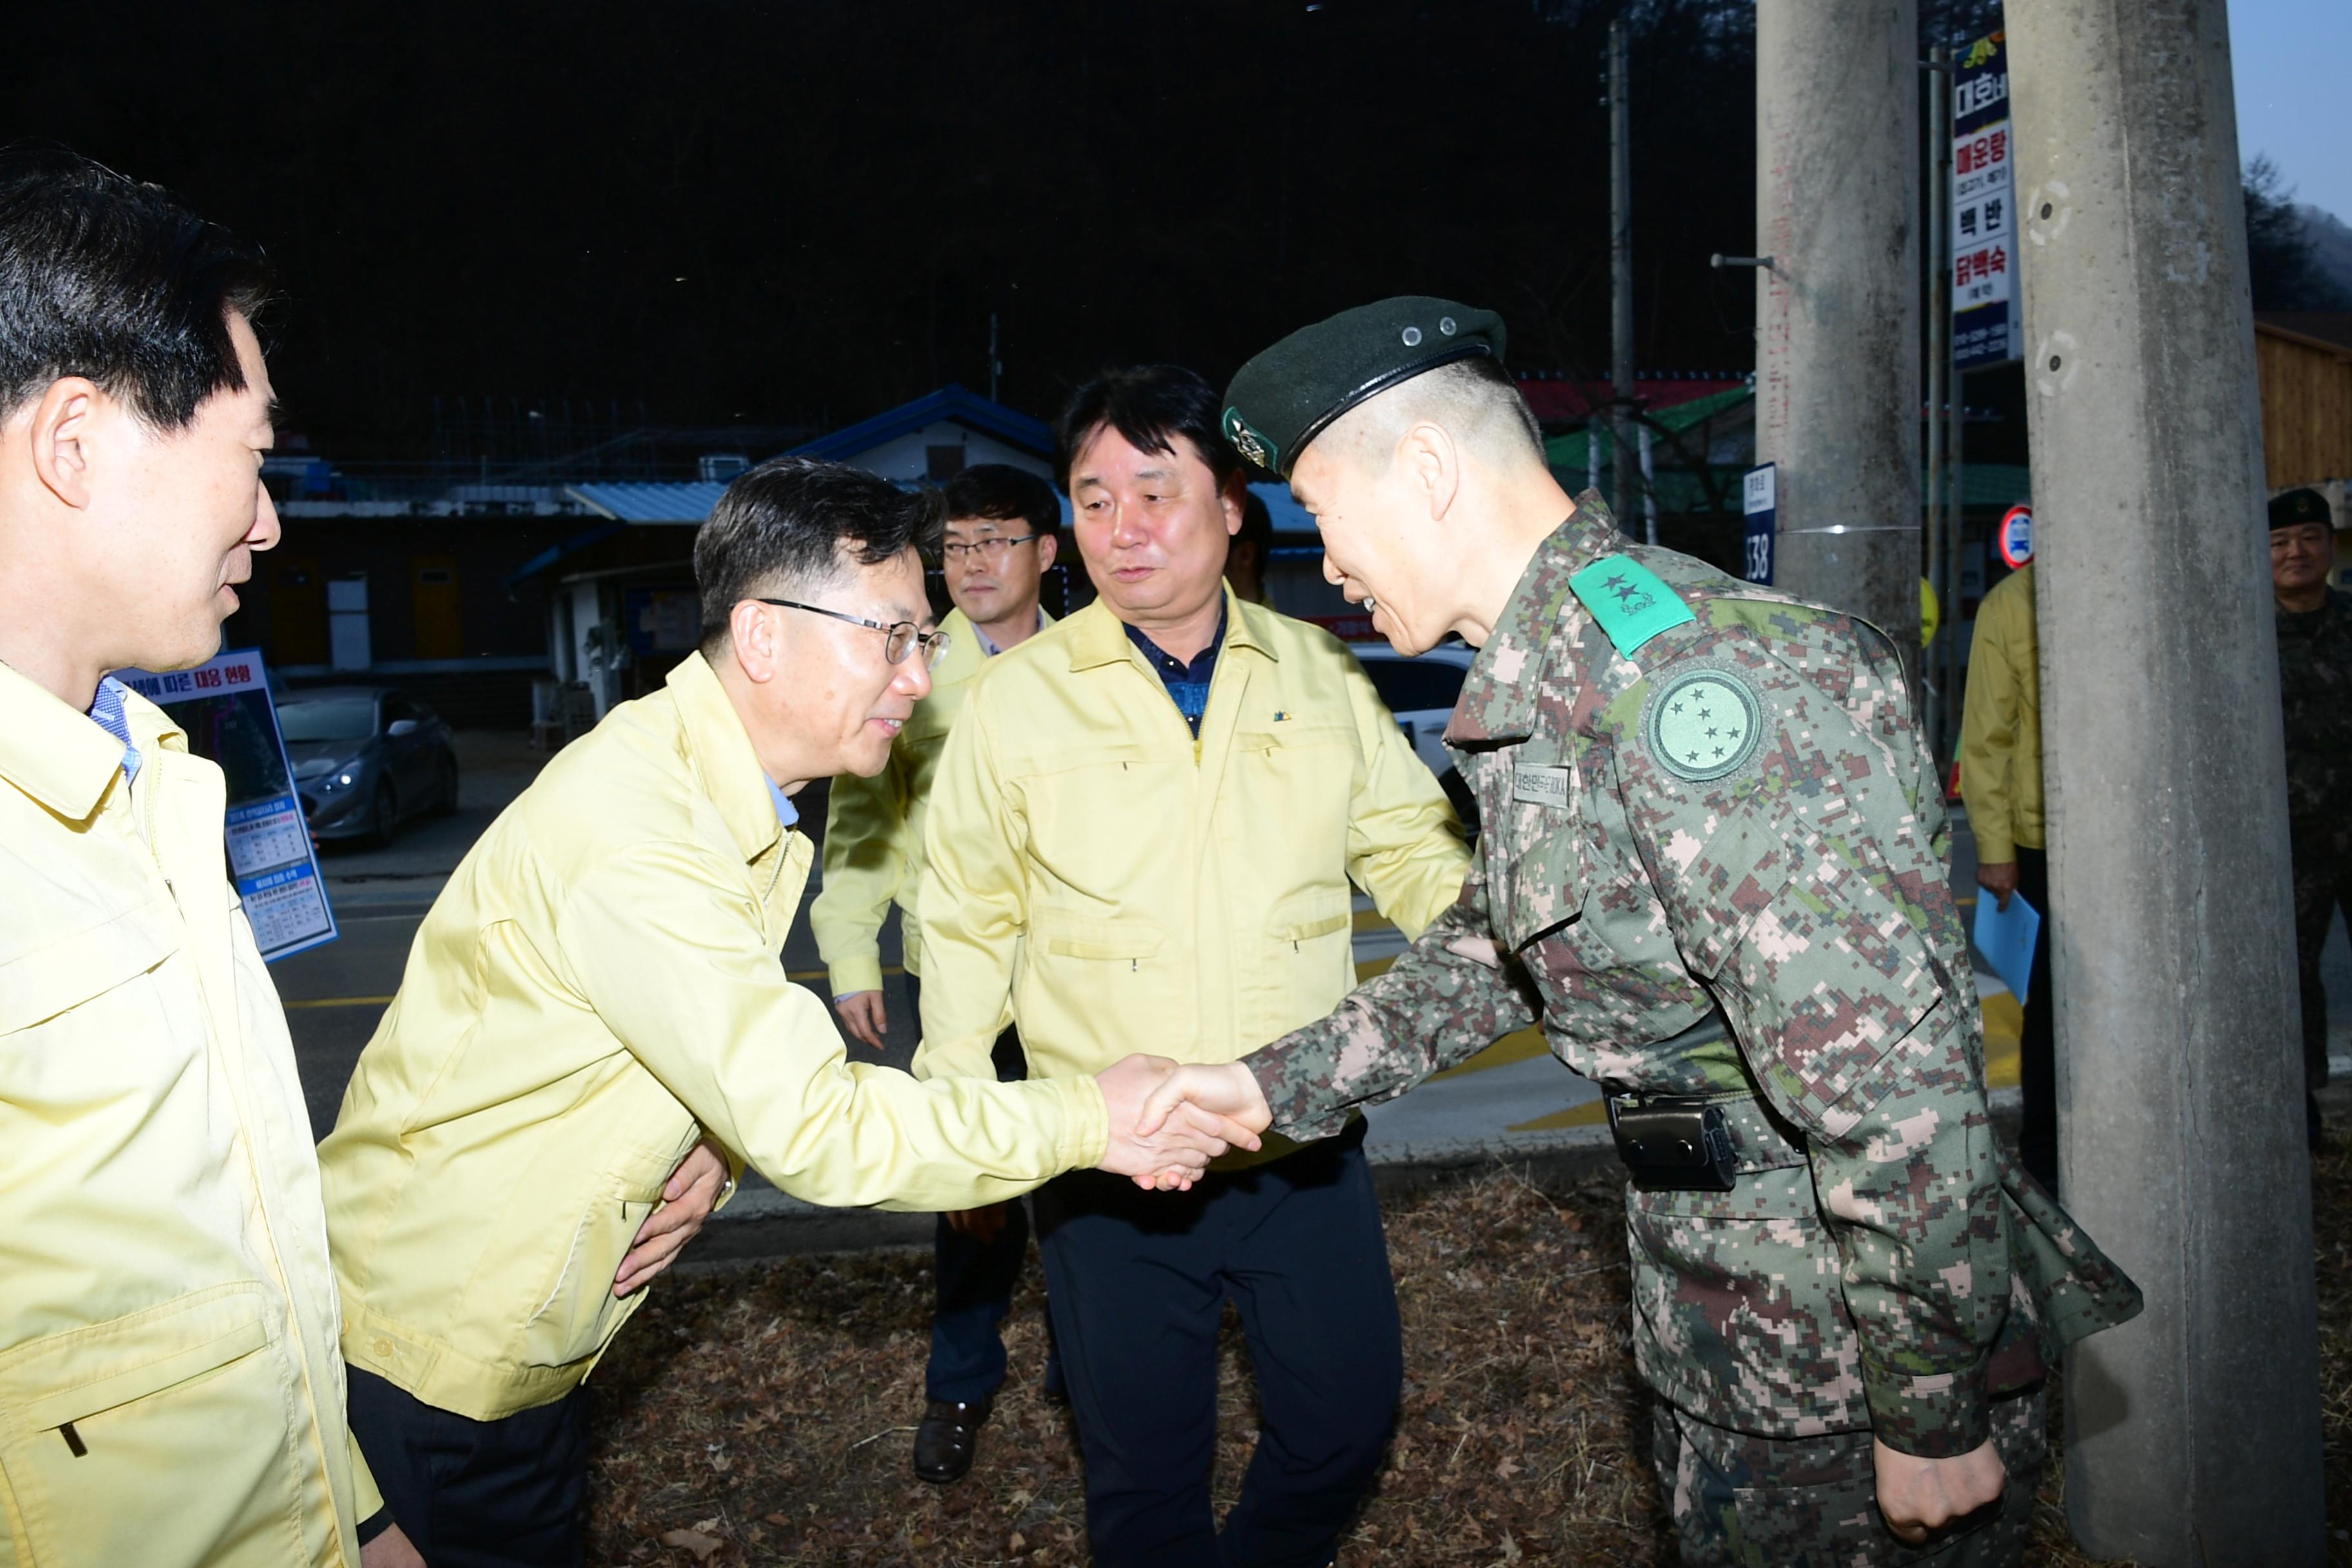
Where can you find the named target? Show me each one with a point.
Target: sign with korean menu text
(1988, 309)
(225, 707)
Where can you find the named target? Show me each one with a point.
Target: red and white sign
(2015, 536)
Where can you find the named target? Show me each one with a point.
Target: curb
(763, 1224)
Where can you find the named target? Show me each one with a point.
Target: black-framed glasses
(898, 637)
(996, 551)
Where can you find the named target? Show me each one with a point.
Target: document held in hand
(2006, 938)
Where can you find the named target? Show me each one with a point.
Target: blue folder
(2006, 938)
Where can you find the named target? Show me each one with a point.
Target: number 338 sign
(1761, 502)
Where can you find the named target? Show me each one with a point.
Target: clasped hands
(1168, 1122)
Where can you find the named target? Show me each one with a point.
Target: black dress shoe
(948, 1439)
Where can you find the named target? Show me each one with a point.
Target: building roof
(686, 502)
(2332, 328)
(952, 402)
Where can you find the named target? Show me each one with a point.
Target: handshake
(1168, 1122)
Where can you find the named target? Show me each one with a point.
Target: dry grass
(763, 1414)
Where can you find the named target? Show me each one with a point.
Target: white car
(1420, 692)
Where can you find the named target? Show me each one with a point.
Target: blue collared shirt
(1187, 684)
(785, 812)
(106, 709)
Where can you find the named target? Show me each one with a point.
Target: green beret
(1286, 396)
(2288, 508)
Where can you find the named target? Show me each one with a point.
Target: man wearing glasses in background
(1002, 530)
(598, 991)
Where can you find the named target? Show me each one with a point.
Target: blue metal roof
(949, 402)
(686, 502)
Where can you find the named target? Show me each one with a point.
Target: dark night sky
(784, 213)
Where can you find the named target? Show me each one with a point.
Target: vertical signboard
(225, 707)
(1988, 312)
(1760, 502)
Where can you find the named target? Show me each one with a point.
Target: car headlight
(340, 779)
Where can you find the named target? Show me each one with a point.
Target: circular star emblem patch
(1703, 724)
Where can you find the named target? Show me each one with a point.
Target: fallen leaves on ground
(764, 1414)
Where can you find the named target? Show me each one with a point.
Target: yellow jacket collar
(719, 749)
(61, 758)
(1098, 637)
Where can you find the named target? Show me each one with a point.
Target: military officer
(2315, 645)
(1714, 865)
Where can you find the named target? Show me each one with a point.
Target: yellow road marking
(2004, 1024)
(1591, 1113)
(1372, 920)
(340, 1002)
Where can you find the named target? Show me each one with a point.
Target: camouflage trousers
(2323, 884)
(1744, 1501)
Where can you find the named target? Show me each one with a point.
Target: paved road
(1514, 1096)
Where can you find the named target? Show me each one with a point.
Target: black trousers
(975, 1280)
(2322, 885)
(477, 1494)
(2037, 1048)
(1137, 1283)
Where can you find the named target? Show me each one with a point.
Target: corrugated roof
(686, 502)
(949, 402)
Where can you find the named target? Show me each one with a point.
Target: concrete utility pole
(1837, 385)
(1620, 282)
(2193, 1433)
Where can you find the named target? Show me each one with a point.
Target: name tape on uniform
(1539, 786)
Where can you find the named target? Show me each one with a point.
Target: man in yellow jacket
(1142, 835)
(171, 1395)
(598, 988)
(2001, 781)
(1004, 527)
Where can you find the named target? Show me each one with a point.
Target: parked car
(1420, 692)
(366, 759)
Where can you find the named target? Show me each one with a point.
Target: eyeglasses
(996, 551)
(898, 636)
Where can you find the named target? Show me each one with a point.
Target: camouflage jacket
(1712, 864)
(2315, 690)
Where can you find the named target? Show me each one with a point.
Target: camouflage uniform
(1714, 865)
(2315, 689)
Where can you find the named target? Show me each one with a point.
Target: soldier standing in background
(2315, 645)
(1714, 865)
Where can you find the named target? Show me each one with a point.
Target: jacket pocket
(164, 1436)
(1067, 936)
(44, 982)
(578, 1314)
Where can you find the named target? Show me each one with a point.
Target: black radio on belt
(1672, 1144)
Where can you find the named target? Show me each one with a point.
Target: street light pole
(1837, 198)
(1620, 278)
(2193, 1432)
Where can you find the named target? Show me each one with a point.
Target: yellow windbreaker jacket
(874, 828)
(600, 984)
(170, 1391)
(1095, 873)
(2000, 724)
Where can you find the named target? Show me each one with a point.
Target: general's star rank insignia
(1703, 724)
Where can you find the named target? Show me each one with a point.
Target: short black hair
(1003, 493)
(799, 523)
(1150, 406)
(106, 278)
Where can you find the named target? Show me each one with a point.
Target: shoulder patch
(1702, 724)
(1629, 600)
